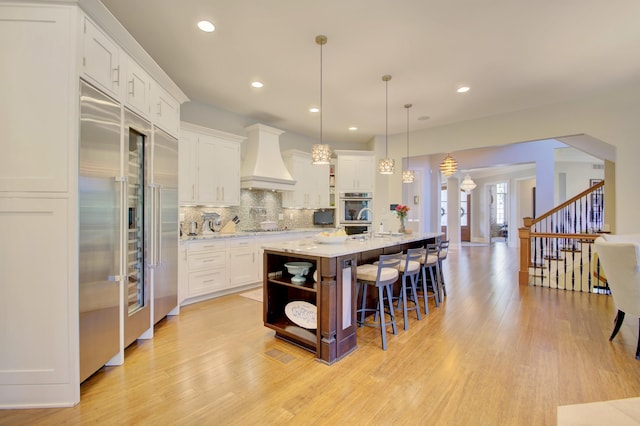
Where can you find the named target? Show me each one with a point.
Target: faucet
(369, 228)
(362, 210)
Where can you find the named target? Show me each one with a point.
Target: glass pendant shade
(321, 154)
(408, 176)
(467, 184)
(386, 166)
(449, 166)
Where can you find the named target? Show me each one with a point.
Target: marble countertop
(218, 235)
(311, 247)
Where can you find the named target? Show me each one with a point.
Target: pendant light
(386, 166)
(467, 184)
(408, 176)
(449, 166)
(321, 153)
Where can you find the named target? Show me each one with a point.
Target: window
(501, 203)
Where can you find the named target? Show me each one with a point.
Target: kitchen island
(318, 312)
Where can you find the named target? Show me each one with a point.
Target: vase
(402, 229)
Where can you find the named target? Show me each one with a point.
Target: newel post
(525, 250)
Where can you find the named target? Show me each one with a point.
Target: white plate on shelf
(302, 313)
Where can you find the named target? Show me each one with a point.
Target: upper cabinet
(312, 181)
(167, 111)
(355, 171)
(209, 167)
(100, 59)
(138, 89)
(110, 69)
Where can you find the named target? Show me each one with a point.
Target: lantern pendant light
(386, 166)
(449, 166)
(321, 153)
(408, 176)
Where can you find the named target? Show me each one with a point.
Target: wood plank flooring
(494, 353)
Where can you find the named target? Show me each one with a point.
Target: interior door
(465, 216)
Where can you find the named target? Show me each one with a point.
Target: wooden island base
(333, 294)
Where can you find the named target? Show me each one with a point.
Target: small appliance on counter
(211, 223)
(193, 229)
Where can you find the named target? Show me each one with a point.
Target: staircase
(556, 249)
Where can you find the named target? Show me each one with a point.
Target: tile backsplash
(255, 206)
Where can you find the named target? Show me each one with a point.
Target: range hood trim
(263, 166)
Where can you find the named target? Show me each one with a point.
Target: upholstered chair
(620, 259)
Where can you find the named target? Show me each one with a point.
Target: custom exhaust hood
(262, 164)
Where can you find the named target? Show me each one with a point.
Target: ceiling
(514, 54)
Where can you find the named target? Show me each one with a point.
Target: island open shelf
(332, 292)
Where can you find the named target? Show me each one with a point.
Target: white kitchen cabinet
(165, 110)
(137, 88)
(210, 169)
(312, 181)
(243, 262)
(100, 59)
(355, 171)
(48, 46)
(207, 263)
(188, 167)
(183, 273)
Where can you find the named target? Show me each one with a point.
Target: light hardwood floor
(495, 353)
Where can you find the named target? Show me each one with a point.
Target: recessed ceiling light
(463, 89)
(314, 109)
(424, 117)
(206, 26)
(353, 128)
(256, 84)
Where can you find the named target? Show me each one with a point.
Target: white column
(453, 211)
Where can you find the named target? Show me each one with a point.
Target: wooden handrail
(568, 202)
(525, 234)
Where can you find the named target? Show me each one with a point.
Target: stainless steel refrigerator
(128, 219)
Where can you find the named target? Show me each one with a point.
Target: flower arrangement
(401, 211)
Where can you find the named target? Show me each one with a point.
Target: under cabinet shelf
(286, 281)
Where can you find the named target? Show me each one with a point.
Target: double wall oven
(356, 211)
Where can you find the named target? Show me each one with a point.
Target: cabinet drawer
(207, 259)
(207, 281)
(207, 246)
(241, 243)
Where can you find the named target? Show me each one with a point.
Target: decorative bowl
(298, 270)
(333, 239)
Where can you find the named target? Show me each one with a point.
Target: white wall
(610, 117)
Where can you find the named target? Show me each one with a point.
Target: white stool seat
(369, 272)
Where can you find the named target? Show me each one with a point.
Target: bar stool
(410, 269)
(382, 276)
(430, 262)
(444, 248)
